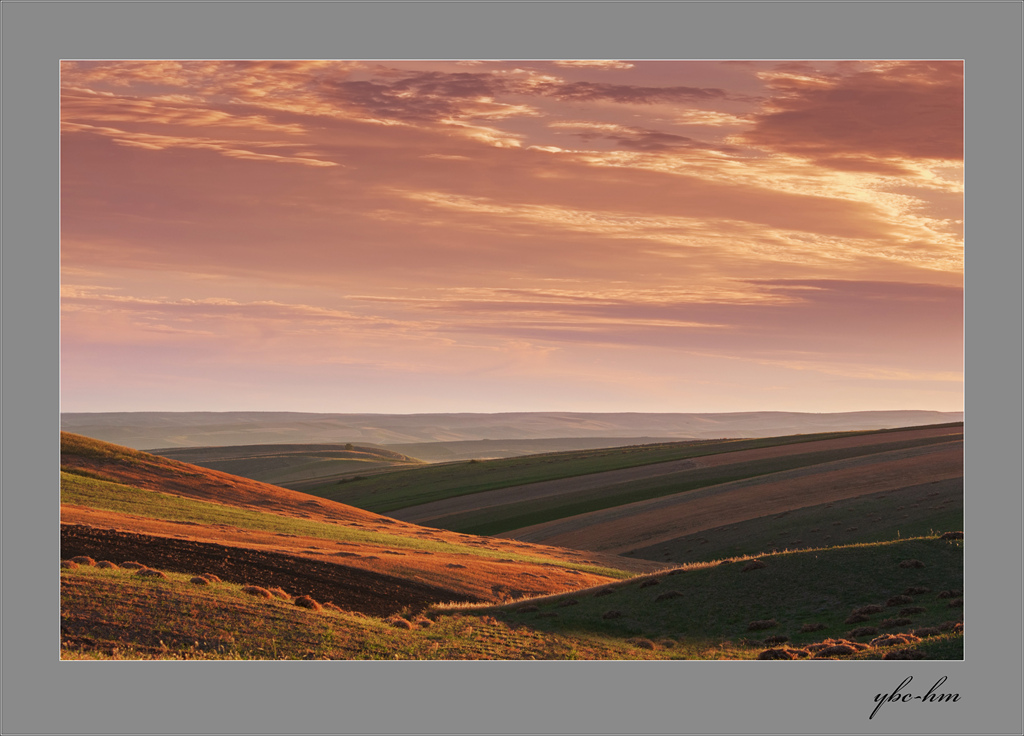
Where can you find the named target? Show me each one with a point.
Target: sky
(490, 236)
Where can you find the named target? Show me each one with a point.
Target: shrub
(753, 565)
(107, 565)
(83, 560)
(776, 654)
(807, 628)
(199, 580)
(257, 591)
(911, 563)
(762, 624)
(69, 564)
(899, 600)
(304, 601)
(863, 631)
(150, 573)
(867, 610)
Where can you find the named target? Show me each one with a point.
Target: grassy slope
(909, 512)
(287, 464)
(717, 602)
(117, 614)
(433, 483)
(93, 493)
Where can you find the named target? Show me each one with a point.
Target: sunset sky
(482, 236)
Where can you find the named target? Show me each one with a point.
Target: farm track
(350, 588)
(442, 513)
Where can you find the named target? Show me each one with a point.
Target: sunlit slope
(292, 466)
(115, 489)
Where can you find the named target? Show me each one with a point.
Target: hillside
(114, 498)
(147, 430)
(292, 466)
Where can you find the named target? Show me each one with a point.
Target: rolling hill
(769, 551)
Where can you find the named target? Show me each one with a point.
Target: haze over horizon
(512, 236)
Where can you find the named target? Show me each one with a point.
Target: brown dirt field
(482, 578)
(644, 523)
(352, 589)
(437, 509)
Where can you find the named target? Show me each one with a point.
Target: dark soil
(350, 588)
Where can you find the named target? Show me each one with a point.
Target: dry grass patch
(758, 625)
(809, 627)
(280, 593)
(304, 601)
(926, 631)
(867, 610)
(400, 623)
(892, 623)
(83, 560)
(69, 564)
(148, 572)
(951, 626)
(106, 565)
(891, 640)
(777, 639)
(952, 535)
(835, 650)
(640, 643)
(211, 577)
(131, 565)
(856, 618)
(899, 600)
(199, 580)
(257, 591)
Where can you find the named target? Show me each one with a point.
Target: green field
(714, 602)
(497, 519)
(401, 489)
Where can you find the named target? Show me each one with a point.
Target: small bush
(69, 564)
(753, 565)
(762, 624)
(856, 618)
(527, 609)
(926, 631)
(956, 603)
(304, 601)
(911, 563)
(148, 572)
(642, 643)
(608, 615)
(912, 610)
(951, 594)
(107, 565)
(132, 565)
(916, 590)
(891, 623)
(603, 591)
(777, 639)
(899, 600)
(199, 580)
(279, 593)
(400, 623)
(669, 595)
(867, 610)
(211, 577)
(807, 628)
(952, 535)
(951, 626)
(257, 591)
(648, 583)
(568, 602)
(891, 640)
(83, 560)
(834, 650)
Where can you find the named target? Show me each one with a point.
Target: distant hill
(150, 430)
